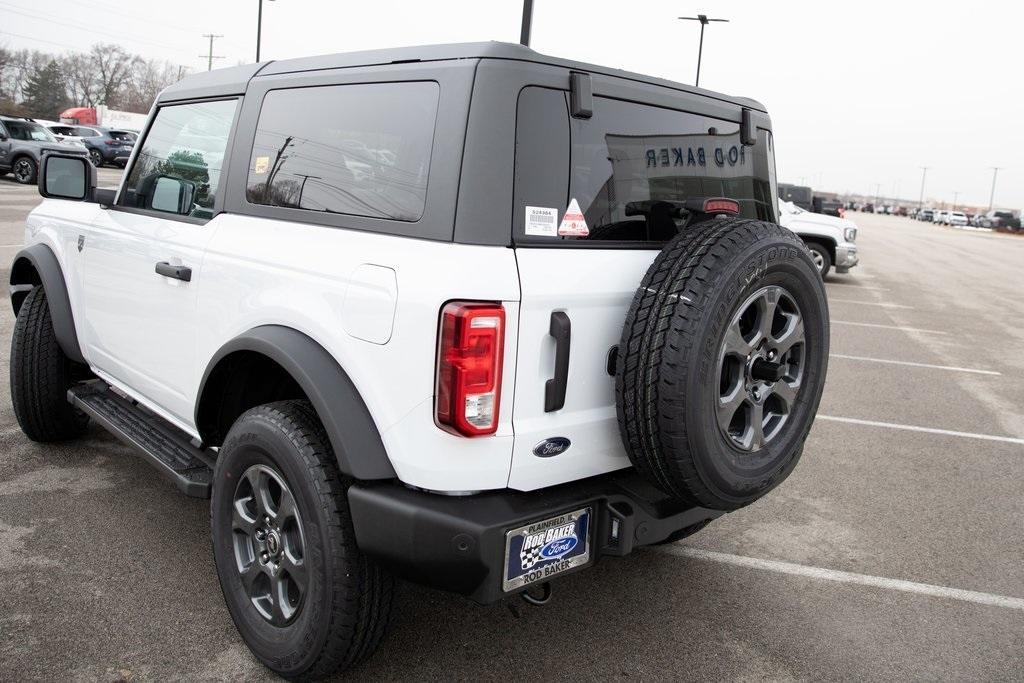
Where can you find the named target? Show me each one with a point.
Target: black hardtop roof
(233, 80)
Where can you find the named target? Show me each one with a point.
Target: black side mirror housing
(66, 176)
(748, 130)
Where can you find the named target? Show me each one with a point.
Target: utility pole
(992, 195)
(302, 187)
(956, 195)
(878, 193)
(524, 31)
(209, 55)
(920, 200)
(259, 28)
(704, 21)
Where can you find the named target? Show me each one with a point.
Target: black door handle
(554, 390)
(177, 272)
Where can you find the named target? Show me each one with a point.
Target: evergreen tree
(46, 94)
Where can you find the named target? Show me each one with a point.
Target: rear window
(348, 149)
(630, 167)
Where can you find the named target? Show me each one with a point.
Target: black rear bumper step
(162, 444)
(457, 543)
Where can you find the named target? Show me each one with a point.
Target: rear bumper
(457, 544)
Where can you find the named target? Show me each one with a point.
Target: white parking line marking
(952, 368)
(837, 576)
(927, 430)
(11, 246)
(883, 304)
(850, 284)
(888, 327)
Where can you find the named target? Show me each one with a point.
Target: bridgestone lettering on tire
(306, 601)
(722, 362)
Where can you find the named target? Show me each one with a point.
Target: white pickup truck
(831, 240)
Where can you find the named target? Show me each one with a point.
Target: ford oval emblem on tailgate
(551, 447)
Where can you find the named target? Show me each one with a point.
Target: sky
(861, 94)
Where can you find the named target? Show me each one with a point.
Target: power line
(10, 9)
(209, 55)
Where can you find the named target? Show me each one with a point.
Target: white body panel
(153, 337)
(595, 292)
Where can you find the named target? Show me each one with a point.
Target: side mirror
(3, 137)
(171, 195)
(64, 176)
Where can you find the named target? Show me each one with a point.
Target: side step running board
(162, 444)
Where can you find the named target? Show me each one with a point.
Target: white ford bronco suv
(466, 315)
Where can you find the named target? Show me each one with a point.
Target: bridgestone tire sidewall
(296, 646)
(737, 478)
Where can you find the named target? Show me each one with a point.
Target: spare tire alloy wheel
(268, 543)
(722, 362)
(760, 364)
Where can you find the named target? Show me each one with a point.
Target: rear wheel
(306, 601)
(24, 170)
(96, 158)
(722, 362)
(41, 375)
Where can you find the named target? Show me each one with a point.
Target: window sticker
(573, 223)
(541, 221)
(261, 166)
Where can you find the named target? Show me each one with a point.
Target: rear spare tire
(722, 362)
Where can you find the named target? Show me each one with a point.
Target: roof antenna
(524, 34)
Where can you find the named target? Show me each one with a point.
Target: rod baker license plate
(540, 550)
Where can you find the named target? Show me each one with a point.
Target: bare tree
(113, 68)
(83, 87)
(148, 78)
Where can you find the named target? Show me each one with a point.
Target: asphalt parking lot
(895, 550)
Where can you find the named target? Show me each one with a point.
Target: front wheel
(96, 158)
(25, 171)
(820, 256)
(41, 375)
(306, 601)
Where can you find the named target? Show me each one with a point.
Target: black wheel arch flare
(350, 427)
(38, 265)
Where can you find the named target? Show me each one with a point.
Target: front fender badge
(551, 447)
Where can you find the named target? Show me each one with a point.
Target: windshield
(28, 130)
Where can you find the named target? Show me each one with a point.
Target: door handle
(554, 389)
(177, 272)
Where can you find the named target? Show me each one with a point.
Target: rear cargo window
(349, 149)
(630, 164)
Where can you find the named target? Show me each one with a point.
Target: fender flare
(38, 265)
(350, 427)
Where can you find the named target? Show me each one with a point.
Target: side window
(360, 149)
(178, 168)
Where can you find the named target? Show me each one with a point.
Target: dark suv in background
(106, 145)
(22, 144)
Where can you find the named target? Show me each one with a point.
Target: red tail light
(722, 205)
(112, 142)
(469, 359)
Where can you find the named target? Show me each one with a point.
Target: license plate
(542, 549)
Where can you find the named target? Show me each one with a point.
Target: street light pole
(259, 27)
(704, 21)
(992, 195)
(920, 200)
(524, 31)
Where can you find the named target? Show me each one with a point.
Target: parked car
(831, 240)
(828, 207)
(940, 216)
(107, 145)
(955, 218)
(468, 382)
(801, 195)
(926, 215)
(22, 145)
(999, 219)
